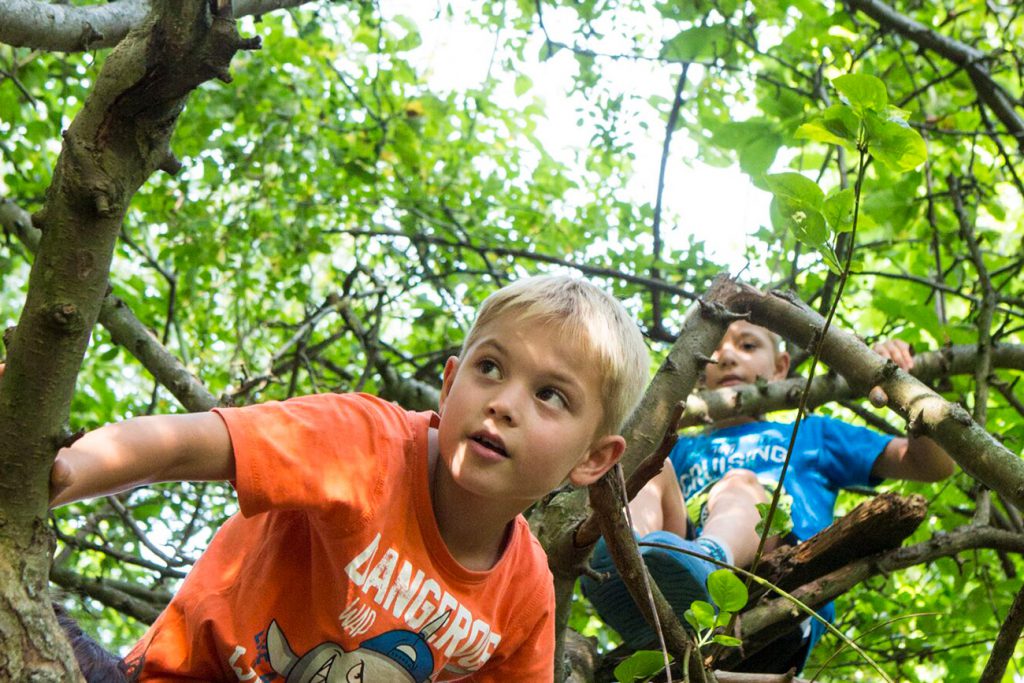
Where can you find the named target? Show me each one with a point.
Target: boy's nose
(501, 407)
(725, 355)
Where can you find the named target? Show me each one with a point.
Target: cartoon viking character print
(392, 656)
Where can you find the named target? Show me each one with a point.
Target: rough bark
(876, 525)
(118, 139)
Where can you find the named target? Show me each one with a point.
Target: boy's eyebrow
(490, 341)
(567, 379)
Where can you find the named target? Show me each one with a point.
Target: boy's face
(745, 353)
(520, 413)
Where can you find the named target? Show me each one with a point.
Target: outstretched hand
(900, 353)
(896, 350)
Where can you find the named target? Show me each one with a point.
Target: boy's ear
(451, 366)
(602, 457)
(781, 365)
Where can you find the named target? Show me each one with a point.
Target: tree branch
(117, 140)
(123, 596)
(965, 56)
(927, 413)
(755, 399)
(765, 622)
(124, 327)
(67, 28)
(1006, 641)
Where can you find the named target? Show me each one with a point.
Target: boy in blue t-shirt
(716, 479)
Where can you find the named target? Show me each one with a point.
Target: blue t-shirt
(827, 456)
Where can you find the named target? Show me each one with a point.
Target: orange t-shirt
(335, 570)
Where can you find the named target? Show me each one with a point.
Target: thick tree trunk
(120, 137)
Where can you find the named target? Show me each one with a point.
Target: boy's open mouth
(490, 444)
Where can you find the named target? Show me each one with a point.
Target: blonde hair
(585, 313)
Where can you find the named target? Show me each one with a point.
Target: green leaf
(703, 613)
(548, 50)
(691, 619)
(862, 92)
(412, 38)
(523, 83)
(640, 666)
(838, 209)
(817, 131)
(757, 156)
(679, 10)
(728, 641)
(807, 224)
(796, 188)
(895, 144)
(700, 42)
(837, 125)
(828, 255)
(727, 591)
(782, 524)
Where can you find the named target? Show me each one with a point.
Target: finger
(883, 349)
(878, 397)
(60, 477)
(903, 358)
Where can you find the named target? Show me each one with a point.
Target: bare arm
(659, 505)
(143, 450)
(914, 458)
(917, 459)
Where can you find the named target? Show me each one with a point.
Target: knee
(737, 478)
(739, 482)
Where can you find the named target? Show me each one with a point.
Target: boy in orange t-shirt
(375, 543)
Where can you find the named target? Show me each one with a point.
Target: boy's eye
(553, 396)
(488, 368)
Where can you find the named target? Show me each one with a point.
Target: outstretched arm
(916, 458)
(143, 450)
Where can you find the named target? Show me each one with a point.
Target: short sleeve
(325, 451)
(849, 452)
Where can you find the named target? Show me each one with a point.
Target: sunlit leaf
(727, 591)
(862, 92)
(895, 144)
(838, 209)
(640, 666)
(796, 188)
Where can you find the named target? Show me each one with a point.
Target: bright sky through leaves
(718, 206)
